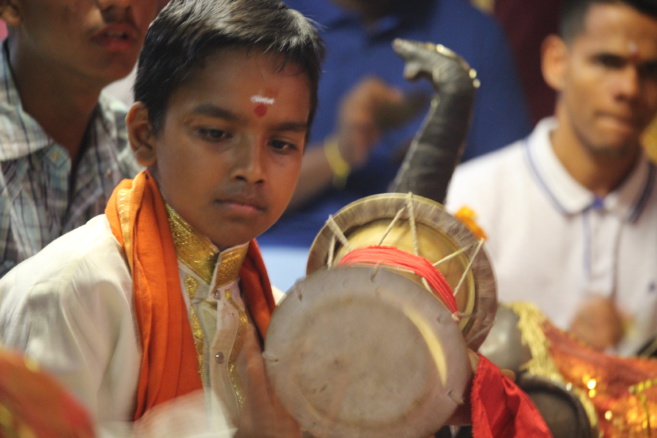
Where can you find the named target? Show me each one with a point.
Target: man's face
(229, 153)
(608, 79)
(96, 41)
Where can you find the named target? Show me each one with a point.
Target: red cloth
(613, 377)
(169, 366)
(256, 289)
(34, 404)
(502, 409)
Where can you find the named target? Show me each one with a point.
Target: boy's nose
(249, 164)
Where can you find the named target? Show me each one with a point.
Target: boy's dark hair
(186, 31)
(573, 13)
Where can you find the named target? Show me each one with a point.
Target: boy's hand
(462, 415)
(186, 416)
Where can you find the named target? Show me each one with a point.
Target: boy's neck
(61, 103)
(199, 254)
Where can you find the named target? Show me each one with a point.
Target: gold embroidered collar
(200, 255)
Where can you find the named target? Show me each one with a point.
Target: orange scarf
(169, 366)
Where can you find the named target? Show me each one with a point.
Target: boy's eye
(212, 134)
(282, 146)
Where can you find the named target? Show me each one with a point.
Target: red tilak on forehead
(634, 52)
(260, 110)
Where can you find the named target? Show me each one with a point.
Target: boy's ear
(554, 61)
(10, 12)
(140, 133)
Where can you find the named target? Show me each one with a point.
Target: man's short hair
(185, 32)
(573, 13)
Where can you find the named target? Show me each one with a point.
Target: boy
(166, 294)
(63, 145)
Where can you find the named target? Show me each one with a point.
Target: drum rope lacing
(392, 257)
(396, 258)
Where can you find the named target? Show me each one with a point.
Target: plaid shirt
(37, 203)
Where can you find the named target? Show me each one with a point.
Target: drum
(417, 225)
(371, 349)
(504, 345)
(560, 407)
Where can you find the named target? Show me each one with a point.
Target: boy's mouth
(242, 203)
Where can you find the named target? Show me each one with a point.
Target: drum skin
(366, 352)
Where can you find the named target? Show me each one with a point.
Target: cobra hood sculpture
(438, 145)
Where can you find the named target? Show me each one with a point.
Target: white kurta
(70, 309)
(553, 243)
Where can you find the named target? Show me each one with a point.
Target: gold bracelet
(339, 166)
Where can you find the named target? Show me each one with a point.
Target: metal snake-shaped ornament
(437, 147)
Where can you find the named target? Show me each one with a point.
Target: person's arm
(357, 131)
(79, 328)
(315, 177)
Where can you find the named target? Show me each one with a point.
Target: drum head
(439, 234)
(362, 351)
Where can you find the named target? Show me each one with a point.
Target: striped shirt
(37, 203)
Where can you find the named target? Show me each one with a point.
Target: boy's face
(90, 40)
(228, 155)
(607, 79)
